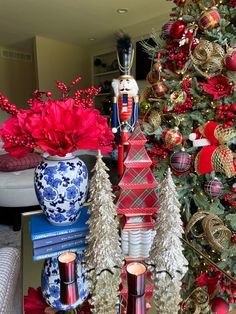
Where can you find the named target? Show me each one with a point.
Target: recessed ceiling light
(122, 11)
(91, 38)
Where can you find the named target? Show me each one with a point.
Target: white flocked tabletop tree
(167, 261)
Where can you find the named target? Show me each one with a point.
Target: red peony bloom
(57, 127)
(232, 3)
(218, 86)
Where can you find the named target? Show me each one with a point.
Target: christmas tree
(103, 256)
(189, 118)
(166, 256)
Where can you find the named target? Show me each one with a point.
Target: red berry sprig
(6, 106)
(64, 89)
(227, 113)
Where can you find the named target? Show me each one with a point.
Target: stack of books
(49, 240)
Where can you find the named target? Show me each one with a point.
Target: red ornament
(177, 29)
(172, 137)
(180, 161)
(166, 30)
(159, 89)
(209, 19)
(230, 59)
(219, 306)
(231, 300)
(234, 188)
(214, 188)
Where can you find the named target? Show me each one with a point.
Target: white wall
(17, 81)
(56, 60)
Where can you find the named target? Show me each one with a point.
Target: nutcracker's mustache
(125, 89)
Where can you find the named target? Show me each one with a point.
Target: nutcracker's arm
(114, 118)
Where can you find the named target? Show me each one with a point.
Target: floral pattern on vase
(50, 283)
(61, 186)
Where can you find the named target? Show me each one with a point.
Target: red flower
(218, 86)
(210, 281)
(34, 302)
(16, 140)
(57, 127)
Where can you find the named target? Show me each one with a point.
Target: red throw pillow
(10, 163)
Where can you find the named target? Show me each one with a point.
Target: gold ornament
(159, 89)
(144, 107)
(208, 58)
(214, 230)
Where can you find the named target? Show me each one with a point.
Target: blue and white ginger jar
(61, 186)
(50, 283)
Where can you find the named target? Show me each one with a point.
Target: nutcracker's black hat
(125, 54)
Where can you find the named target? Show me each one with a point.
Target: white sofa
(10, 281)
(16, 192)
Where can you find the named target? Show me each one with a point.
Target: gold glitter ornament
(144, 107)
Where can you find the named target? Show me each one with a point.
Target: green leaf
(201, 201)
(231, 218)
(216, 207)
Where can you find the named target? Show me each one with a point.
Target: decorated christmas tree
(103, 256)
(189, 118)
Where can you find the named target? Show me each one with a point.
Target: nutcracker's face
(125, 86)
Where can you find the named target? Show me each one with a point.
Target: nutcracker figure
(125, 102)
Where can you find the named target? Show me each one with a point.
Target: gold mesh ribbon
(213, 230)
(208, 58)
(197, 302)
(222, 135)
(223, 161)
(154, 122)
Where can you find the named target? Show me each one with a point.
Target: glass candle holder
(136, 288)
(68, 285)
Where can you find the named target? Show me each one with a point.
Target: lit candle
(136, 288)
(68, 283)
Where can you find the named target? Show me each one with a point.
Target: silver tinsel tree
(166, 255)
(103, 256)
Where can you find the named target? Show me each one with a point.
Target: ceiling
(72, 21)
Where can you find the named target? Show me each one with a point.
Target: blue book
(41, 228)
(78, 248)
(60, 238)
(58, 246)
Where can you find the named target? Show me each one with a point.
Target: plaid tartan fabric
(137, 199)
(137, 158)
(180, 161)
(137, 178)
(137, 137)
(214, 188)
(10, 163)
